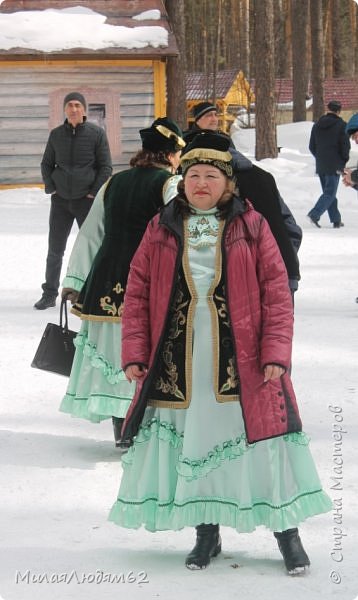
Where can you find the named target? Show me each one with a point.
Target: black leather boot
(294, 556)
(208, 545)
(117, 426)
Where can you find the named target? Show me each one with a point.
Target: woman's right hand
(70, 294)
(135, 372)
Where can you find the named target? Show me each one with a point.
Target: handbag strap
(63, 311)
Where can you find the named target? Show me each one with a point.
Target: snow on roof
(76, 27)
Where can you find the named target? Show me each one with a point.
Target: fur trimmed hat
(352, 125)
(163, 135)
(334, 106)
(75, 96)
(208, 148)
(201, 109)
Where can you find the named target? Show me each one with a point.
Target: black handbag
(56, 349)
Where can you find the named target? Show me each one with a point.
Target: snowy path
(59, 476)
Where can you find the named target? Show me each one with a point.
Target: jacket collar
(80, 125)
(171, 218)
(238, 207)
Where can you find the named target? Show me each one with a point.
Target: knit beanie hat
(334, 106)
(75, 96)
(201, 109)
(163, 135)
(208, 148)
(352, 125)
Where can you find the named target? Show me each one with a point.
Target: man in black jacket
(330, 146)
(75, 164)
(259, 187)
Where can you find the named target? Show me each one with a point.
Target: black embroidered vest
(131, 199)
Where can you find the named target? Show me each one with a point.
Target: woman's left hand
(273, 372)
(135, 372)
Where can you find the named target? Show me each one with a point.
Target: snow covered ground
(59, 476)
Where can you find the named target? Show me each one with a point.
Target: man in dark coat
(258, 186)
(329, 144)
(75, 164)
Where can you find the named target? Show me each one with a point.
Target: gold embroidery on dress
(222, 310)
(202, 232)
(169, 386)
(215, 315)
(188, 323)
(110, 307)
(178, 318)
(118, 288)
(232, 381)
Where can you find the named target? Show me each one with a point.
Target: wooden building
(124, 84)
(342, 89)
(230, 91)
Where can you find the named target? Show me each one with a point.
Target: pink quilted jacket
(260, 309)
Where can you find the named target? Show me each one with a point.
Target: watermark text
(98, 577)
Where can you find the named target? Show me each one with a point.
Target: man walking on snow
(330, 146)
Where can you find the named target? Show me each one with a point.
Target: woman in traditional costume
(207, 333)
(98, 269)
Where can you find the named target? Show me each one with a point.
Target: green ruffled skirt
(167, 486)
(97, 387)
(192, 466)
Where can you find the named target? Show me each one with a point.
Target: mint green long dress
(193, 465)
(97, 388)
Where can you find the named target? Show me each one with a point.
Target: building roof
(199, 87)
(119, 13)
(344, 90)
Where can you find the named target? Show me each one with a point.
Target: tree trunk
(299, 16)
(266, 138)
(327, 38)
(317, 59)
(176, 68)
(282, 52)
(345, 49)
(244, 37)
(355, 17)
(216, 57)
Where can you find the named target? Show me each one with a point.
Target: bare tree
(282, 36)
(244, 36)
(317, 58)
(176, 67)
(299, 23)
(266, 138)
(216, 57)
(343, 50)
(355, 34)
(220, 34)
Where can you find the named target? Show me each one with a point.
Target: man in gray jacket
(75, 164)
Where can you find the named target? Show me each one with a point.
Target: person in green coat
(98, 268)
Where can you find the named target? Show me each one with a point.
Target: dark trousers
(62, 215)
